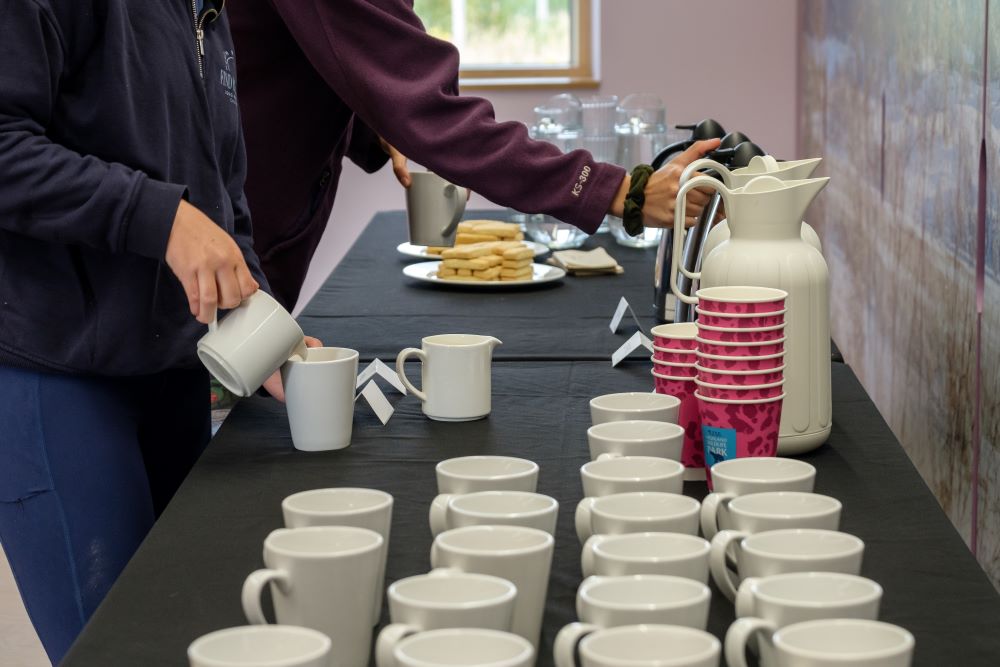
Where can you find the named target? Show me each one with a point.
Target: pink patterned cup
(731, 335)
(674, 356)
(741, 299)
(755, 349)
(740, 320)
(689, 418)
(675, 370)
(676, 336)
(740, 393)
(738, 429)
(728, 363)
(738, 378)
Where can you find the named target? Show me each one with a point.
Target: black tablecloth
(185, 580)
(368, 305)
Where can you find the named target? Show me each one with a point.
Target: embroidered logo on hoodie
(227, 75)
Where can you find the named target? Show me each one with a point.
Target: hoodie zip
(207, 16)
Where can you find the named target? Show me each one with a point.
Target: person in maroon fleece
(321, 80)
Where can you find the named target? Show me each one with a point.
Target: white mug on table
(771, 510)
(445, 598)
(455, 375)
(624, 474)
(469, 474)
(520, 555)
(675, 554)
(781, 551)
(261, 646)
(841, 642)
(324, 578)
(500, 508)
(641, 646)
(460, 646)
(344, 506)
(319, 397)
(637, 512)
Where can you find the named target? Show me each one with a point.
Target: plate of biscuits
(474, 231)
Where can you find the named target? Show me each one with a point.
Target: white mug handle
(587, 564)
(387, 640)
(401, 360)
(710, 508)
(438, 515)
(724, 578)
(253, 587)
(705, 163)
(583, 517)
(739, 634)
(564, 649)
(744, 597)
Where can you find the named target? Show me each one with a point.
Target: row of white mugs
(328, 578)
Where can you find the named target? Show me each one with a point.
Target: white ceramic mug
(631, 473)
(444, 598)
(323, 578)
(641, 646)
(461, 646)
(261, 646)
(522, 556)
(344, 506)
(753, 474)
(251, 342)
(781, 551)
(319, 397)
(674, 554)
(633, 405)
(454, 375)
(841, 642)
(609, 602)
(500, 508)
(638, 512)
(636, 437)
(433, 208)
(469, 474)
(771, 510)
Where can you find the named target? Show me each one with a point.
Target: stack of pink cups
(740, 370)
(674, 372)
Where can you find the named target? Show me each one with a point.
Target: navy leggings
(86, 465)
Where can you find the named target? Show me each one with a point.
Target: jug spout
(768, 207)
(493, 342)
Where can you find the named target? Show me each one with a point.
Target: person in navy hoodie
(123, 226)
(323, 80)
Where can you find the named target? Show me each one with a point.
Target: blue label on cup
(720, 444)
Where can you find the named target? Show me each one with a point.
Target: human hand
(662, 187)
(208, 263)
(399, 167)
(273, 384)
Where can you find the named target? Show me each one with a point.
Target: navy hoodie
(110, 113)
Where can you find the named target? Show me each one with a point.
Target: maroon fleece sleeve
(403, 83)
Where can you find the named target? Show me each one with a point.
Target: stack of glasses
(740, 370)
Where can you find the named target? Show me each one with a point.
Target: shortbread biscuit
(516, 263)
(471, 251)
(519, 236)
(514, 254)
(516, 273)
(460, 278)
(501, 229)
(444, 271)
(435, 250)
(464, 273)
(488, 274)
(464, 238)
(477, 264)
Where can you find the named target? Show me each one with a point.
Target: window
(516, 42)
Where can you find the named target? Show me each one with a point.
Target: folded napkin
(586, 262)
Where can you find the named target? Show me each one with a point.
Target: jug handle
(458, 195)
(705, 163)
(680, 209)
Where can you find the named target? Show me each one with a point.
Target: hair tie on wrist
(636, 199)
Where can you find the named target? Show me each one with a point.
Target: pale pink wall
(735, 61)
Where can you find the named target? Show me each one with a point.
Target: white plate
(427, 272)
(420, 251)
